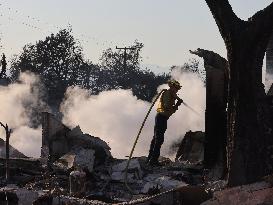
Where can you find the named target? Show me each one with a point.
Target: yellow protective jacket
(166, 105)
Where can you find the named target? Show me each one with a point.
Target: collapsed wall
(58, 141)
(51, 129)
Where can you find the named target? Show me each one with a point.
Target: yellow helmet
(174, 83)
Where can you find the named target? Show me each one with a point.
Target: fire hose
(137, 137)
(180, 101)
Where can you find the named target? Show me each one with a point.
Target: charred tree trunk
(8, 132)
(216, 115)
(250, 133)
(249, 124)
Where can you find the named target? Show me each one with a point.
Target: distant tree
(89, 75)
(192, 66)
(115, 74)
(112, 64)
(4, 67)
(58, 60)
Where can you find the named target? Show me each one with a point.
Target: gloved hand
(179, 102)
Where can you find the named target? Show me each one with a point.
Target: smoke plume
(116, 116)
(17, 101)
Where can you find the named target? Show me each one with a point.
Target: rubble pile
(191, 148)
(105, 184)
(22, 170)
(74, 164)
(77, 168)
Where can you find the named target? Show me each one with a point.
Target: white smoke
(15, 101)
(27, 140)
(116, 116)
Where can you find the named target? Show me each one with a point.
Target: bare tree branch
(6, 127)
(224, 16)
(263, 21)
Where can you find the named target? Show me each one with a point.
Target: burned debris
(59, 141)
(86, 173)
(74, 164)
(191, 148)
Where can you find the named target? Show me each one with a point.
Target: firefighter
(168, 104)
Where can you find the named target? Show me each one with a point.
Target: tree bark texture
(249, 121)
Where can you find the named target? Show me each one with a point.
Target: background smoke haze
(115, 116)
(16, 101)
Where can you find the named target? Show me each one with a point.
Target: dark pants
(158, 138)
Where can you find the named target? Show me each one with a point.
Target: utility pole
(125, 54)
(125, 77)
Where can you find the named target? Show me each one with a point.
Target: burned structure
(191, 148)
(62, 149)
(54, 143)
(58, 140)
(216, 104)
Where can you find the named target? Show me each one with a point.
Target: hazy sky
(168, 29)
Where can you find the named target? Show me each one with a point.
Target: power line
(27, 20)
(86, 38)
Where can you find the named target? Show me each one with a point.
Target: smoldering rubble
(78, 168)
(74, 164)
